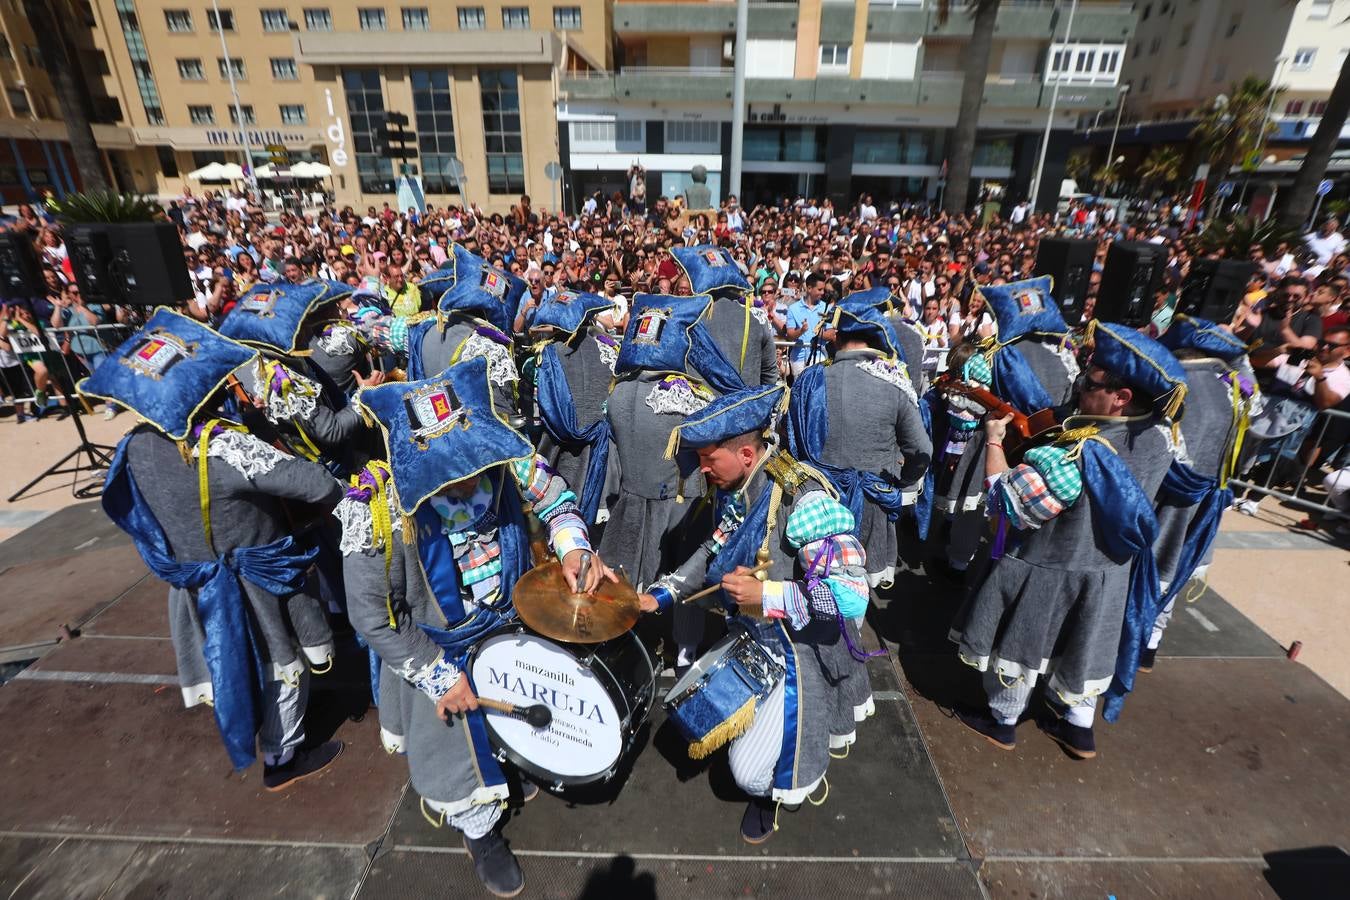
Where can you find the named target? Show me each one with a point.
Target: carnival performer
(740, 329)
(203, 500)
(781, 514)
(337, 345)
(1075, 599)
(433, 542)
(572, 380)
(1221, 400)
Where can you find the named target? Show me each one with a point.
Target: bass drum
(599, 695)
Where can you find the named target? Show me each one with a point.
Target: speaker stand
(86, 457)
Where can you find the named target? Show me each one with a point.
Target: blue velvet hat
(168, 371)
(877, 297)
(736, 413)
(658, 337)
(481, 289)
(1142, 362)
(1189, 333)
(568, 310)
(856, 319)
(272, 316)
(710, 269)
(441, 430)
(1023, 307)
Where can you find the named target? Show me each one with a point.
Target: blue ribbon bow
(559, 412)
(1189, 486)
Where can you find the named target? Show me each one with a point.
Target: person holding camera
(1285, 320)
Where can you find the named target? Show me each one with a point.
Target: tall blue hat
(1190, 333)
(1024, 307)
(483, 290)
(856, 318)
(272, 316)
(168, 371)
(439, 280)
(658, 337)
(1140, 361)
(441, 430)
(568, 310)
(881, 298)
(710, 269)
(736, 413)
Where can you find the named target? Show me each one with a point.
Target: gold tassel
(673, 442)
(735, 726)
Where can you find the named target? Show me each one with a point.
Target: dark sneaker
(757, 824)
(1075, 739)
(302, 765)
(1004, 737)
(528, 791)
(495, 864)
(1147, 659)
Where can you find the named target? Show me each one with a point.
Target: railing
(1299, 440)
(43, 364)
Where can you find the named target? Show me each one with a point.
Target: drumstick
(536, 716)
(717, 587)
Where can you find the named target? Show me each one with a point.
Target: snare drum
(599, 694)
(715, 700)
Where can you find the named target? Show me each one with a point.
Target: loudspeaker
(1214, 287)
(1069, 262)
(1132, 275)
(20, 269)
(132, 263)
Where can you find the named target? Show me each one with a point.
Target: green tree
(1232, 127)
(961, 159)
(1077, 166)
(1161, 168)
(72, 92)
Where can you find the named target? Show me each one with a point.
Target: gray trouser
(1008, 701)
(283, 725)
(475, 822)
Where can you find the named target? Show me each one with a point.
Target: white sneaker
(1248, 507)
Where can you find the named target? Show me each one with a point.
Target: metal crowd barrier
(88, 345)
(1295, 497)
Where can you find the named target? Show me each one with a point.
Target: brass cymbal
(545, 603)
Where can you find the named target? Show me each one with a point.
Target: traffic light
(393, 140)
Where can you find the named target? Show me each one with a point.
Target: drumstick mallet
(536, 716)
(717, 587)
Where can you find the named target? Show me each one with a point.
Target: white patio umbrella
(310, 170)
(231, 172)
(265, 172)
(209, 172)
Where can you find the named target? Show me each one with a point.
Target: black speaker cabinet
(1069, 262)
(91, 253)
(1132, 275)
(132, 263)
(20, 269)
(1214, 287)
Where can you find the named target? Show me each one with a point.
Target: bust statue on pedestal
(697, 195)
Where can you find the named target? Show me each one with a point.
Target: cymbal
(545, 603)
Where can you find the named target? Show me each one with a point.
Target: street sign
(1252, 162)
(1225, 189)
(552, 171)
(1324, 187)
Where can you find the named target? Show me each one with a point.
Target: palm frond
(105, 206)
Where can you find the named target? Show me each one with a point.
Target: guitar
(1022, 429)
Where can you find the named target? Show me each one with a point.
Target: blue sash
(1123, 516)
(1187, 485)
(559, 413)
(415, 337)
(230, 647)
(708, 360)
(1016, 382)
(923, 506)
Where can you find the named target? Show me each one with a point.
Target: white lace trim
(1069, 358)
(501, 368)
(433, 679)
(609, 355)
(892, 373)
(299, 403)
(358, 525)
(760, 316)
(243, 452)
(337, 341)
(679, 398)
(963, 403)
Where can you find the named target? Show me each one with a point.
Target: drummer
(772, 509)
(433, 542)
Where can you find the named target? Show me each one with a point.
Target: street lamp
(1265, 124)
(238, 109)
(1120, 106)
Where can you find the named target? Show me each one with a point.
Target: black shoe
(495, 864)
(757, 823)
(1147, 659)
(1075, 739)
(681, 671)
(1001, 736)
(528, 791)
(302, 765)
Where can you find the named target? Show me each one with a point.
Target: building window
(472, 18)
(834, 58)
(1153, 45)
(501, 130)
(365, 107)
(567, 18)
(1321, 9)
(1085, 63)
(140, 60)
(1144, 85)
(1293, 108)
(622, 136)
(293, 114)
(371, 19)
(1148, 11)
(435, 128)
(218, 20)
(275, 20)
(191, 70)
(1317, 108)
(1234, 24)
(202, 115)
(168, 162)
(179, 21)
(1220, 70)
(318, 20)
(1303, 58)
(693, 137)
(233, 66)
(283, 69)
(515, 17)
(416, 18)
(18, 101)
(247, 112)
(790, 143)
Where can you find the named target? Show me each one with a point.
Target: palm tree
(1161, 168)
(1298, 202)
(1233, 126)
(962, 157)
(1077, 166)
(71, 90)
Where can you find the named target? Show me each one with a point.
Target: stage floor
(1225, 778)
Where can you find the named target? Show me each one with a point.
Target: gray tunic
(332, 431)
(340, 357)
(874, 426)
(589, 371)
(731, 329)
(460, 341)
(1058, 600)
(1209, 427)
(912, 347)
(246, 511)
(1054, 368)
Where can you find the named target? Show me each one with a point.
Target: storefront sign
(257, 138)
(336, 134)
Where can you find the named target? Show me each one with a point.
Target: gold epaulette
(420, 317)
(1077, 435)
(786, 472)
